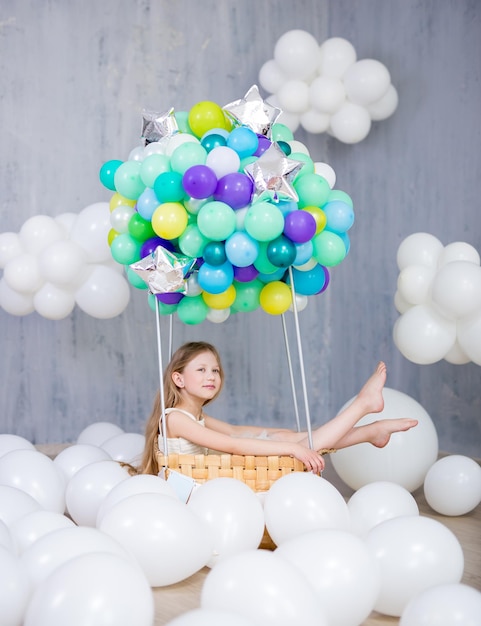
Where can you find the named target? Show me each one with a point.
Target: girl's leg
(378, 433)
(368, 400)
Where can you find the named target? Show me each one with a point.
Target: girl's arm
(179, 425)
(235, 430)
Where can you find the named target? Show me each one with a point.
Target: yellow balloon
(275, 298)
(220, 300)
(169, 220)
(111, 236)
(118, 200)
(204, 116)
(319, 215)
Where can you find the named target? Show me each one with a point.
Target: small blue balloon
(215, 279)
(147, 202)
(310, 282)
(340, 216)
(303, 252)
(241, 249)
(243, 140)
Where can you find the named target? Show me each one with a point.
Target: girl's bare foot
(371, 393)
(383, 429)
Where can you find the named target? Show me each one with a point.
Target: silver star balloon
(164, 271)
(156, 126)
(272, 174)
(254, 112)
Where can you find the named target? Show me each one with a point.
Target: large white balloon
(301, 502)
(366, 81)
(456, 289)
(90, 231)
(351, 123)
(26, 530)
(452, 604)
(53, 303)
(22, 274)
(259, 585)
(414, 284)
(233, 514)
(327, 94)
(97, 433)
(297, 54)
(14, 590)
(88, 487)
(15, 503)
(14, 442)
(125, 447)
(385, 106)
(469, 336)
(169, 541)
(34, 472)
(92, 589)
(419, 249)
(377, 502)
(71, 459)
(413, 553)
(337, 55)
(14, 302)
(453, 485)
(210, 617)
(63, 263)
(459, 251)
(341, 569)
(10, 247)
(362, 464)
(38, 232)
(104, 294)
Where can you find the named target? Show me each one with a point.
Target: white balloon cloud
(439, 298)
(325, 88)
(55, 263)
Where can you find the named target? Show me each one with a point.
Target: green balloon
(152, 166)
(127, 180)
(312, 189)
(281, 132)
(337, 194)
(187, 155)
(134, 279)
(247, 296)
(140, 228)
(164, 309)
(125, 249)
(216, 220)
(182, 119)
(328, 248)
(264, 221)
(192, 242)
(192, 310)
(262, 263)
(307, 168)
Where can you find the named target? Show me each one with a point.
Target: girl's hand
(311, 459)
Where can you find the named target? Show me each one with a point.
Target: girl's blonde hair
(180, 359)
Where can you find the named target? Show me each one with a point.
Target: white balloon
(298, 146)
(301, 303)
(366, 81)
(351, 123)
(90, 231)
(13, 302)
(57, 547)
(223, 160)
(414, 284)
(120, 218)
(377, 502)
(385, 106)
(141, 483)
(419, 249)
(136, 154)
(233, 514)
(293, 96)
(259, 585)
(218, 316)
(413, 553)
(14, 442)
(6, 538)
(97, 433)
(34, 473)
(349, 571)
(62, 263)
(271, 76)
(88, 487)
(168, 540)
(327, 94)
(53, 302)
(469, 336)
(401, 304)
(10, 247)
(126, 447)
(300, 502)
(38, 232)
(289, 119)
(315, 122)
(210, 617)
(14, 590)
(459, 251)
(177, 140)
(336, 56)
(71, 459)
(32, 526)
(22, 274)
(364, 463)
(424, 335)
(15, 503)
(456, 289)
(452, 604)
(105, 293)
(296, 52)
(326, 171)
(92, 589)
(453, 485)
(66, 222)
(456, 355)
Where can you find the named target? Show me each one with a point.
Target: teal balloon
(214, 253)
(107, 173)
(168, 187)
(192, 310)
(281, 252)
(310, 282)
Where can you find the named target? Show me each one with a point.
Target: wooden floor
(177, 599)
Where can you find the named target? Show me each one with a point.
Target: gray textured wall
(74, 78)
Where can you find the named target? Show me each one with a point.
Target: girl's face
(201, 377)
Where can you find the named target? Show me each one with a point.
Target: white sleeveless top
(179, 445)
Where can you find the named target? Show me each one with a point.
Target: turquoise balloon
(329, 248)
(125, 249)
(134, 279)
(264, 221)
(182, 119)
(215, 279)
(127, 180)
(214, 253)
(107, 173)
(310, 282)
(312, 189)
(192, 310)
(187, 155)
(216, 220)
(307, 168)
(281, 252)
(281, 132)
(168, 187)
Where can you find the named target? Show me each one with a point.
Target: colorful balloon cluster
(439, 298)
(250, 207)
(324, 88)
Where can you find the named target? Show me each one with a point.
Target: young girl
(194, 377)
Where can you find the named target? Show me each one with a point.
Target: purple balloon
(199, 181)
(245, 274)
(264, 144)
(151, 244)
(300, 226)
(326, 282)
(170, 298)
(235, 189)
